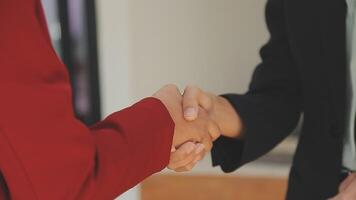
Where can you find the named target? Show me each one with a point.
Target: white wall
(210, 43)
(146, 44)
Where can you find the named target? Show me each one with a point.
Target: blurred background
(120, 51)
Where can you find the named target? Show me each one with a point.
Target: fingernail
(199, 149)
(190, 113)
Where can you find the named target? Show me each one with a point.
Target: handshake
(200, 118)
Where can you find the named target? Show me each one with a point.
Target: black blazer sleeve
(272, 106)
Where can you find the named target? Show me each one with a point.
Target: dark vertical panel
(79, 53)
(93, 58)
(65, 35)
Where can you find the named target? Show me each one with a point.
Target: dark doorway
(72, 25)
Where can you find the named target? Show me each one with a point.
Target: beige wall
(145, 44)
(210, 43)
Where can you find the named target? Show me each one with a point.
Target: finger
(187, 168)
(183, 151)
(200, 149)
(199, 155)
(174, 166)
(183, 155)
(191, 102)
(214, 131)
(347, 182)
(207, 142)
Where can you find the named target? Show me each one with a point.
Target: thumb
(191, 103)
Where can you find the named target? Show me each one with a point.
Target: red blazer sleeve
(66, 160)
(132, 144)
(45, 152)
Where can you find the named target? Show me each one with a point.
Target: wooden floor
(164, 187)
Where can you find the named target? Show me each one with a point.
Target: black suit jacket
(303, 70)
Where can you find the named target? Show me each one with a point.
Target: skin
(347, 189)
(202, 130)
(230, 124)
(219, 110)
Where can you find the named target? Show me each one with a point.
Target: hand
(219, 110)
(347, 189)
(186, 156)
(202, 130)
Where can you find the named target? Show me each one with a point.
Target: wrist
(227, 118)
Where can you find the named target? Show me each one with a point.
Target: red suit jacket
(45, 152)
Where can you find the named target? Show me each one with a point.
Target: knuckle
(191, 87)
(171, 87)
(189, 101)
(192, 90)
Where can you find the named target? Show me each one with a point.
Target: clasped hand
(199, 118)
